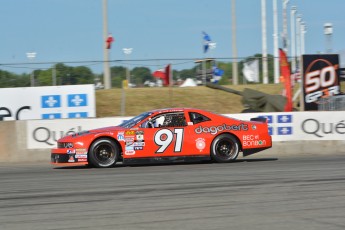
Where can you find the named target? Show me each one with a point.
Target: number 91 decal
(164, 137)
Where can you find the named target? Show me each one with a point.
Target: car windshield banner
(320, 78)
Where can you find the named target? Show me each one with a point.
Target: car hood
(110, 129)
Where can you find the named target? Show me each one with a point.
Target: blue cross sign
(77, 100)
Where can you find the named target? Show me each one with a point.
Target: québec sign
(6, 112)
(50, 102)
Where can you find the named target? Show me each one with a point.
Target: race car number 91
(164, 137)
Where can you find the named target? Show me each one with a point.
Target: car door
(164, 135)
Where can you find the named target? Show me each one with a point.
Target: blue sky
(71, 30)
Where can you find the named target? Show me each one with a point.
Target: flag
(159, 73)
(286, 76)
(109, 40)
(207, 41)
(163, 74)
(217, 71)
(167, 75)
(217, 74)
(251, 70)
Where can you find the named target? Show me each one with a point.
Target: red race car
(172, 135)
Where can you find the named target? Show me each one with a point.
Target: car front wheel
(103, 153)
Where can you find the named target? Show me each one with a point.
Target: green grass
(138, 100)
(108, 102)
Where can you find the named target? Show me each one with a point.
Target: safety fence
(335, 103)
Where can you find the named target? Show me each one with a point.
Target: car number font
(164, 137)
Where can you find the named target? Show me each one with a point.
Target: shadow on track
(120, 165)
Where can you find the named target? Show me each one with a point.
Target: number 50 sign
(320, 78)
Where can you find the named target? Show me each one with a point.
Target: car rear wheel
(225, 148)
(103, 153)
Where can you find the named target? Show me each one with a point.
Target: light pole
(328, 31)
(127, 52)
(106, 77)
(293, 38)
(303, 32)
(234, 44)
(264, 42)
(275, 42)
(298, 39)
(285, 29)
(54, 75)
(31, 56)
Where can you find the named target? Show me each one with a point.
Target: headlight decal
(65, 145)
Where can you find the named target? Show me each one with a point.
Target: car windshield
(135, 120)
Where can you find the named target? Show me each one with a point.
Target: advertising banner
(301, 126)
(47, 102)
(289, 126)
(320, 78)
(43, 134)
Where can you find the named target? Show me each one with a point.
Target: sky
(72, 30)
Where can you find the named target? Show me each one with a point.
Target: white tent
(189, 82)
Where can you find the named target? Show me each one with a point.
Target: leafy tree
(68, 75)
(82, 75)
(118, 74)
(141, 74)
(187, 73)
(43, 77)
(65, 75)
(8, 79)
(22, 80)
(227, 76)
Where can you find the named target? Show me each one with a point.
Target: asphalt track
(259, 193)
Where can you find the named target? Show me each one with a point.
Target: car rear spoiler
(259, 119)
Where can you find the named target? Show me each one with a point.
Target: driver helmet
(159, 121)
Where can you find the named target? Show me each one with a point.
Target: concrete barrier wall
(15, 138)
(13, 144)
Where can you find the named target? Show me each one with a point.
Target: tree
(141, 74)
(187, 73)
(43, 77)
(65, 75)
(118, 74)
(8, 79)
(82, 75)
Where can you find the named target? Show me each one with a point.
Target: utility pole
(234, 45)
(275, 42)
(264, 43)
(106, 76)
(127, 52)
(31, 56)
(293, 38)
(328, 31)
(285, 29)
(54, 75)
(303, 32)
(298, 40)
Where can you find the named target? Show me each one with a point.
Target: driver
(159, 121)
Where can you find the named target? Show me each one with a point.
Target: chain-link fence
(335, 103)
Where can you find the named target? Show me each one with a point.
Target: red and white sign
(320, 78)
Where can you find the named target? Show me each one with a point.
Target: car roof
(167, 110)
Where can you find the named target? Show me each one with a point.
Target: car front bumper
(68, 156)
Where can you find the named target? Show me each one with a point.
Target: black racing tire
(103, 153)
(225, 148)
